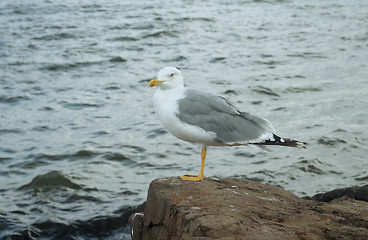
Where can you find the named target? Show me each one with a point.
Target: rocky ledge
(243, 209)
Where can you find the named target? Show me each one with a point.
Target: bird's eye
(172, 75)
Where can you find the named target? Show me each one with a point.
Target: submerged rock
(51, 180)
(243, 209)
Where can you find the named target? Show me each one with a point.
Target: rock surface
(243, 209)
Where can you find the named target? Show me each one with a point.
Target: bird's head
(167, 78)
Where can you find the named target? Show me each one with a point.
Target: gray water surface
(80, 142)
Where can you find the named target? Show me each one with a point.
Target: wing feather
(216, 114)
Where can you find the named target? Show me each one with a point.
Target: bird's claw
(190, 177)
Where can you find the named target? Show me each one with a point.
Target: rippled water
(79, 141)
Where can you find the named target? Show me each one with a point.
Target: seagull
(207, 119)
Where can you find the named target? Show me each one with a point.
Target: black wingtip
(287, 142)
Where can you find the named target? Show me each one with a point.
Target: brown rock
(243, 209)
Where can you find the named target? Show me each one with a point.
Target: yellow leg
(199, 177)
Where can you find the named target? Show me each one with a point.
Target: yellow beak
(155, 82)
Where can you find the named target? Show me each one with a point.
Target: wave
(53, 157)
(307, 55)
(54, 67)
(68, 66)
(124, 39)
(301, 89)
(11, 131)
(79, 106)
(265, 91)
(217, 59)
(160, 34)
(314, 166)
(13, 99)
(113, 226)
(331, 142)
(44, 159)
(56, 36)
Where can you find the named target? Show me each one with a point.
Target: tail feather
(287, 142)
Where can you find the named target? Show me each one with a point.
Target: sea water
(79, 139)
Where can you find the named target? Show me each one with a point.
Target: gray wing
(216, 114)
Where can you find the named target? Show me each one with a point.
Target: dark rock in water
(51, 179)
(362, 193)
(358, 193)
(243, 209)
